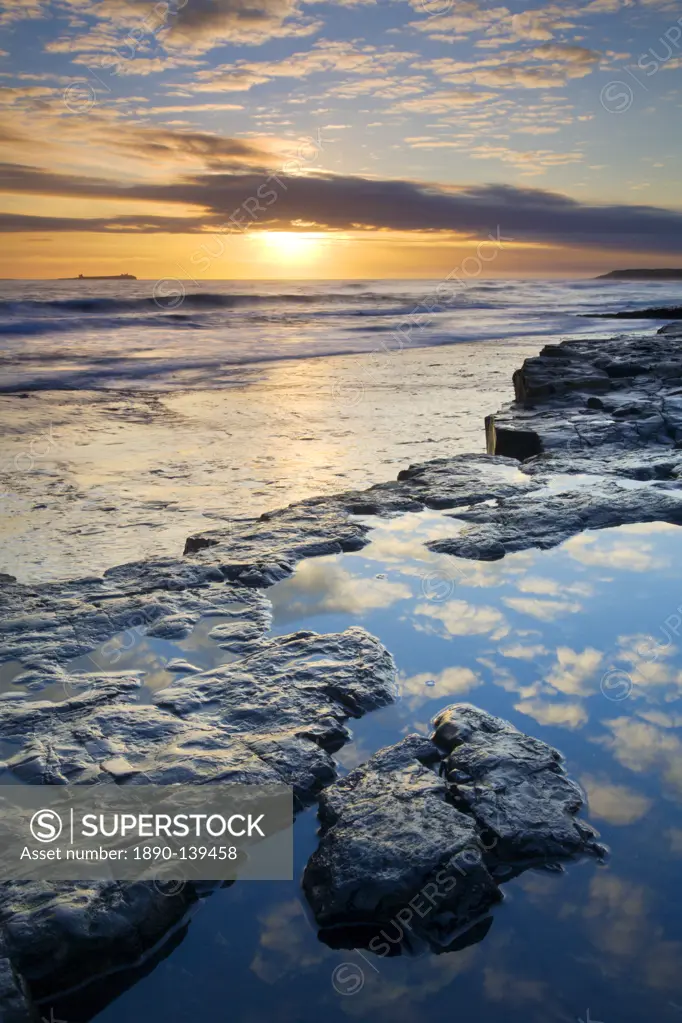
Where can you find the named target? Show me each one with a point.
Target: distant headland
(642, 275)
(110, 277)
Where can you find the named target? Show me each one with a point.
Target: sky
(212, 139)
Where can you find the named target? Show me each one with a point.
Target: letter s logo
(46, 825)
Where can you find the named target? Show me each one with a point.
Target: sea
(173, 334)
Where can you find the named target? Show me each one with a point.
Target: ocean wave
(107, 315)
(38, 327)
(201, 300)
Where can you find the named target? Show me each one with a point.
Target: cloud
(443, 101)
(459, 618)
(643, 748)
(544, 610)
(532, 25)
(524, 653)
(565, 53)
(573, 669)
(180, 27)
(555, 714)
(448, 682)
(194, 108)
(321, 588)
(550, 65)
(205, 24)
(338, 202)
(324, 56)
(614, 552)
(20, 10)
(616, 804)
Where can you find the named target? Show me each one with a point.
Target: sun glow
(293, 246)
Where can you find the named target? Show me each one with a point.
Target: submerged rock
(270, 717)
(16, 1005)
(413, 840)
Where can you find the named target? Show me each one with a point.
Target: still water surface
(577, 646)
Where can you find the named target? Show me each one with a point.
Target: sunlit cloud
(543, 610)
(453, 681)
(613, 552)
(616, 804)
(458, 618)
(553, 713)
(575, 672)
(324, 588)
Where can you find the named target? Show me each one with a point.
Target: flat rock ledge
(275, 715)
(610, 410)
(416, 841)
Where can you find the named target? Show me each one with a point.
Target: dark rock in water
(409, 855)
(547, 521)
(54, 623)
(16, 1005)
(643, 274)
(657, 313)
(197, 543)
(389, 837)
(671, 330)
(273, 716)
(514, 787)
(63, 934)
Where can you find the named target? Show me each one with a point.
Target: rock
(50, 625)
(656, 313)
(181, 666)
(390, 836)
(260, 552)
(287, 703)
(501, 440)
(16, 1005)
(514, 787)
(58, 935)
(546, 521)
(272, 717)
(408, 854)
(671, 330)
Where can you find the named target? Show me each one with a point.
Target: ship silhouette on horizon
(104, 277)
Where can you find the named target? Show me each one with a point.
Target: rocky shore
(593, 440)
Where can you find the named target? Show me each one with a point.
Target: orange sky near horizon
(273, 255)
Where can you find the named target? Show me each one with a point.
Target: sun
(292, 246)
